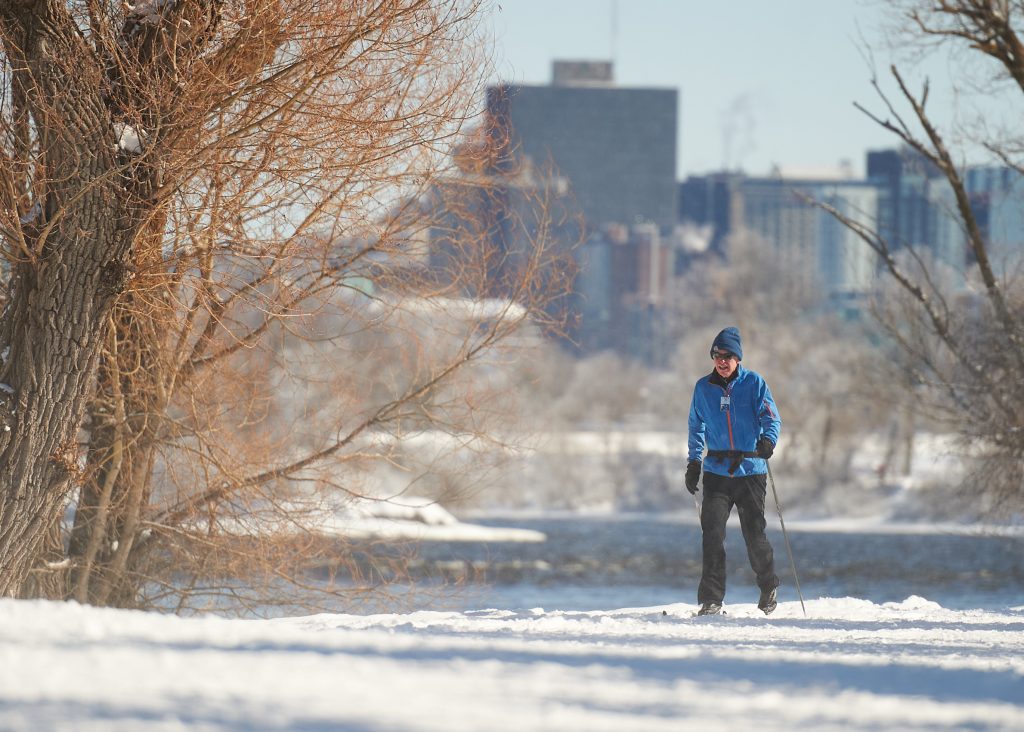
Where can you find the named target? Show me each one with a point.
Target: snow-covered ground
(848, 665)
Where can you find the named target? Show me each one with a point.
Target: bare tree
(965, 348)
(189, 189)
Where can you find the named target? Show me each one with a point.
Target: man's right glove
(692, 476)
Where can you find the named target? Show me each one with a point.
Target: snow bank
(849, 665)
(402, 518)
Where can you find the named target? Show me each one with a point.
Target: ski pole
(785, 537)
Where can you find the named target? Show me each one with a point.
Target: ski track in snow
(849, 665)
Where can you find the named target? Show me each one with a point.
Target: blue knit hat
(728, 340)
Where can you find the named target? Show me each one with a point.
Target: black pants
(748, 494)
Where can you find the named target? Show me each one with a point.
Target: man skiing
(733, 415)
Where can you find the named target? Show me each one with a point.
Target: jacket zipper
(728, 416)
(728, 412)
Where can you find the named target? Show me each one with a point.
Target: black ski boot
(710, 608)
(766, 603)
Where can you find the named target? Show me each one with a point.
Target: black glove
(765, 447)
(692, 476)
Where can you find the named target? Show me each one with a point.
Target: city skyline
(749, 100)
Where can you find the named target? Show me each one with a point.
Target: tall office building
(997, 198)
(616, 145)
(711, 200)
(625, 274)
(904, 198)
(846, 265)
(916, 207)
(808, 240)
(616, 148)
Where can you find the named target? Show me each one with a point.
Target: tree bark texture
(73, 267)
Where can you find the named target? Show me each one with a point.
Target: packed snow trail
(850, 665)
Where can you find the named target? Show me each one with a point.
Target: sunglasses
(722, 355)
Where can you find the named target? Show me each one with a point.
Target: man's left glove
(765, 447)
(692, 476)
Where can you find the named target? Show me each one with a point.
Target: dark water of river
(593, 563)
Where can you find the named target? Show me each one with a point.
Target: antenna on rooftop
(614, 32)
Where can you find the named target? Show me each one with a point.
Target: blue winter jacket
(732, 416)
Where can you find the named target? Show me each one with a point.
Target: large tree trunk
(52, 330)
(73, 267)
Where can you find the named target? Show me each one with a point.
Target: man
(734, 416)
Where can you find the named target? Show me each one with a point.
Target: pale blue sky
(760, 81)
